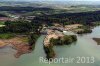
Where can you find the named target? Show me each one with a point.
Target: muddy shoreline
(17, 44)
(97, 40)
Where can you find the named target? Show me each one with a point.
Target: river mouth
(84, 47)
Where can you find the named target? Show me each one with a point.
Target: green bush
(6, 36)
(67, 39)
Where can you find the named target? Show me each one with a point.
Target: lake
(84, 47)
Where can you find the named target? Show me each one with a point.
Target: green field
(6, 36)
(2, 23)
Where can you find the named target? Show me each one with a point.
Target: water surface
(85, 46)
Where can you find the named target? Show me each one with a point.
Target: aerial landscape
(50, 33)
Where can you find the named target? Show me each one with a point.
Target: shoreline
(48, 48)
(97, 40)
(56, 36)
(16, 43)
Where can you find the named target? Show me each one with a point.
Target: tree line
(86, 18)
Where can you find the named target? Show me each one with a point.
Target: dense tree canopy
(71, 18)
(67, 39)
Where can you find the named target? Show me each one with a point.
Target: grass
(25, 39)
(6, 36)
(1, 23)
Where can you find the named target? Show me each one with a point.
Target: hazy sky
(71, 0)
(51, 0)
(63, 0)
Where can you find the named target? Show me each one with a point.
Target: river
(84, 47)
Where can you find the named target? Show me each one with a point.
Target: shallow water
(84, 47)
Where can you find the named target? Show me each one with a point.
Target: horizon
(55, 0)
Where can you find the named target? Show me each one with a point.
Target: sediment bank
(18, 44)
(97, 40)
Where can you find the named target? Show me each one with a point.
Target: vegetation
(66, 40)
(96, 23)
(6, 36)
(49, 51)
(46, 16)
(25, 39)
(85, 18)
(17, 26)
(85, 29)
(33, 38)
(21, 27)
(20, 9)
(1, 23)
(97, 40)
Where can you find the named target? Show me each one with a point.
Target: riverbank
(48, 48)
(2, 44)
(52, 34)
(97, 40)
(78, 28)
(55, 37)
(18, 43)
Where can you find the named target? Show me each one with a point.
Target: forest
(87, 18)
(29, 9)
